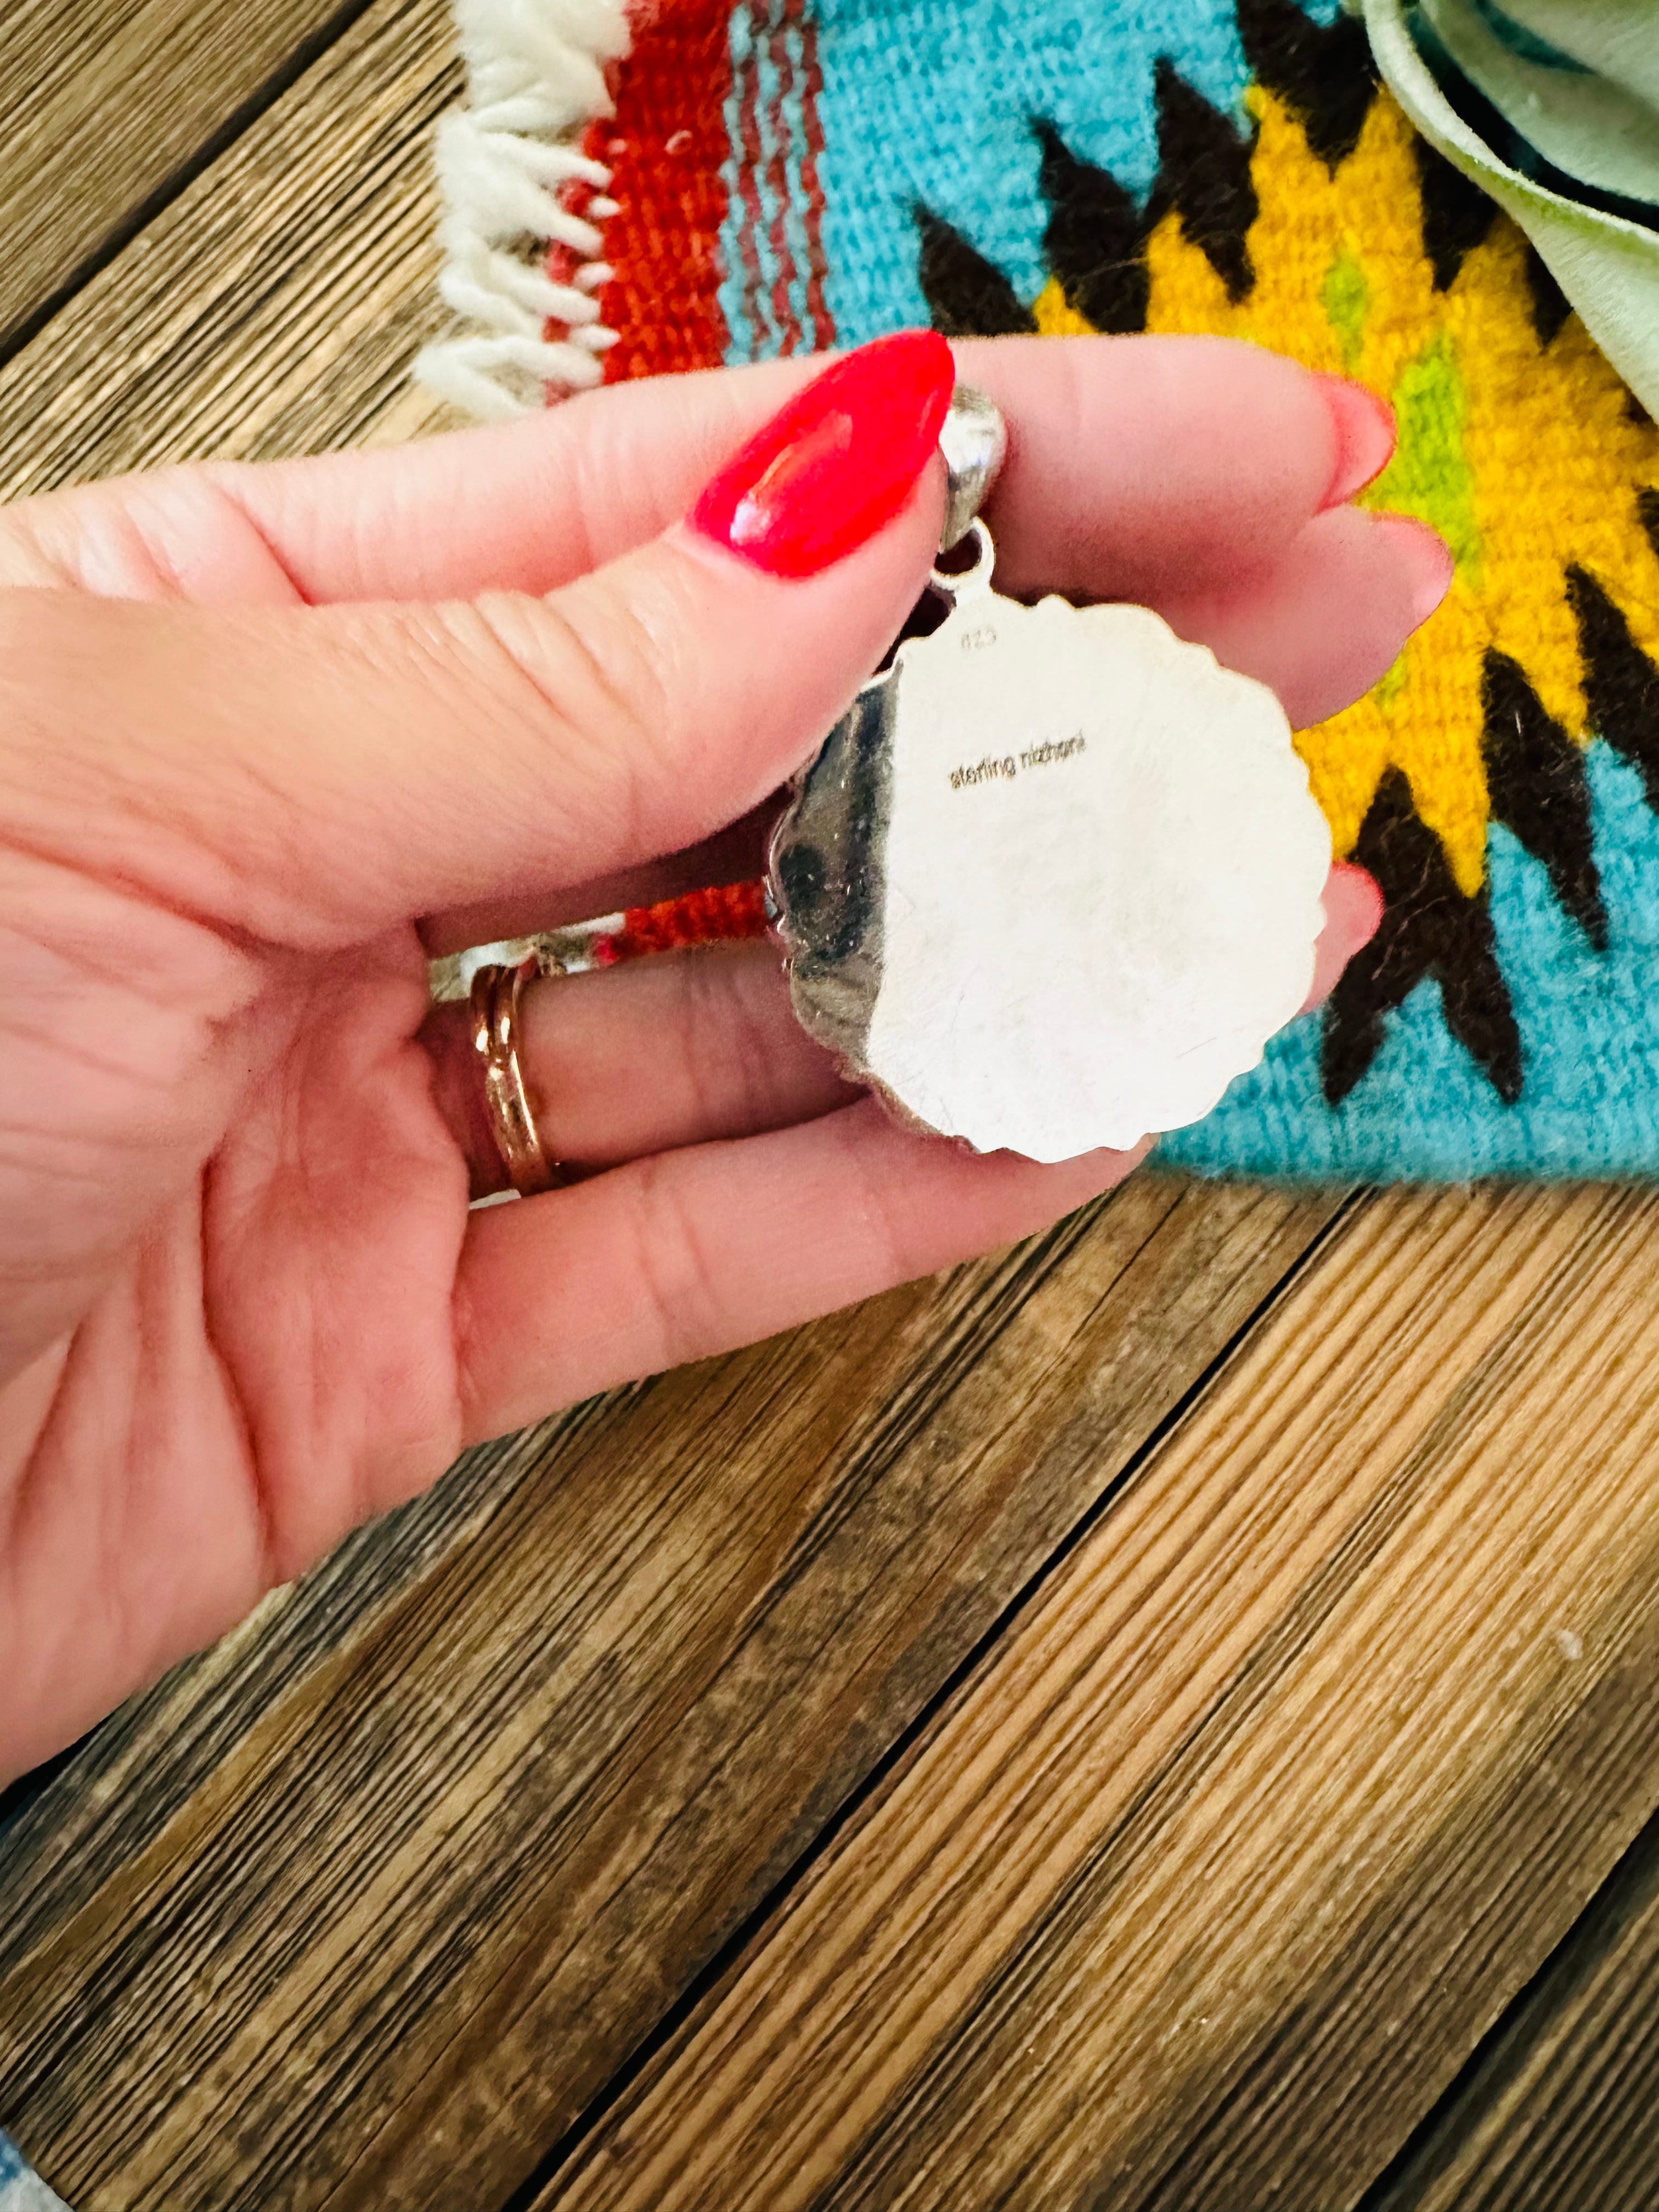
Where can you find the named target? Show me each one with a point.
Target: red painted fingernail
(1366, 435)
(839, 462)
(1430, 562)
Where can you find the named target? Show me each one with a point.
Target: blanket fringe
(506, 164)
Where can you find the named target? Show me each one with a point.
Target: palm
(272, 1362)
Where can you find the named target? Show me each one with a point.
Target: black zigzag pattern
(1095, 240)
(1323, 73)
(1457, 213)
(1621, 685)
(1539, 790)
(1550, 304)
(1204, 174)
(1096, 236)
(967, 295)
(1430, 928)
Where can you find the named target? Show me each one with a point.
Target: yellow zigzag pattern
(1526, 459)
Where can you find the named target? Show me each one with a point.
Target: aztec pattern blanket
(784, 176)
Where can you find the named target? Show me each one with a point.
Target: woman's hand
(268, 736)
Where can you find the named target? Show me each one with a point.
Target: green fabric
(1594, 127)
(1606, 264)
(1617, 39)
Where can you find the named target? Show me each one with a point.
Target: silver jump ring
(969, 583)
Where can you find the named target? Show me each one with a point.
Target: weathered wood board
(276, 305)
(519, 1810)
(1560, 2106)
(103, 107)
(1200, 1889)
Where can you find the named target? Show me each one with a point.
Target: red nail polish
(1366, 434)
(838, 463)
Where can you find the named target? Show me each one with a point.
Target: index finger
(1137, 465)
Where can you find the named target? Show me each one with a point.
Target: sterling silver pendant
(1053, 880)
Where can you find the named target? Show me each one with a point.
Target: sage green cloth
(1575, 82)
(1595, 122)
(1616, 40)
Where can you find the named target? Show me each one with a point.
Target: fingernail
(1361, 898)
(1429, 562)
(1366, 435)
(838, 463)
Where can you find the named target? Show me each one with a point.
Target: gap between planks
(108, 110)
(1286, 1785)
(240, 323)
(974, 1663)
(273, 306)
(477, 1861)
(1559, 2107)
(276, 305)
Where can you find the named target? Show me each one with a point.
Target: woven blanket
(785, 175)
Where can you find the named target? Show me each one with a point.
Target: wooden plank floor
(1166, 1717)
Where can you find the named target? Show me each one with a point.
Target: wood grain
(1201, 1891)
(106, 104)
(171, 1747)
(276, 305)
(1560, 2107)
(416, 1918)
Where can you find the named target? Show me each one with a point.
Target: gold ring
(495, 1006)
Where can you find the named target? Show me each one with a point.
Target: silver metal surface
(973, 441)
(966, 583)
(825, 882)
(1053, 880)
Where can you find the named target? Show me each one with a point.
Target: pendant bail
(974, 442)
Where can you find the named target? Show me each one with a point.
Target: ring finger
(694, 1047)
(643, 1059)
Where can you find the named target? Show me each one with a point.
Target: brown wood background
(1167, 1716)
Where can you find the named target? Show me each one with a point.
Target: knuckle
(674, 1271)
(599, 664)
(140, 537)
(728, 1066)
(879, 1203)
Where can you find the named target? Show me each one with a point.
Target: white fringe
(535, 80)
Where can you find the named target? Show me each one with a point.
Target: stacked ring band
(494, 1009)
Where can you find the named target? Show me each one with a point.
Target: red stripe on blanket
(737, 910)
(665, 146)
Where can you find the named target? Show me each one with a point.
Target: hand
(270, 736)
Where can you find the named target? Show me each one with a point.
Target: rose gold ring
(495, 1008)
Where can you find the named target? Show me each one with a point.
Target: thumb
(312, 775)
